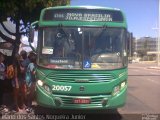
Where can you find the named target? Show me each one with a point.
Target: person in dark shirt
(2, 77)
(19, 86)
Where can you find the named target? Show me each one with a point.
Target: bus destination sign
(83, 15)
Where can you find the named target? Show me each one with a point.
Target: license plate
(81, 101)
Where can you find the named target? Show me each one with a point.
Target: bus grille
(81, 77)
(96, 101)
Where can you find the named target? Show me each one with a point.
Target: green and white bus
(81, 57)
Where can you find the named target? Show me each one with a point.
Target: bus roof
(83, 7)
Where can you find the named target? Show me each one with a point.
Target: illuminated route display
(83, 15)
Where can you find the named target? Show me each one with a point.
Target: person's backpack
(10, 72)
(29, 76)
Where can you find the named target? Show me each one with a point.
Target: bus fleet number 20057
(61, 88)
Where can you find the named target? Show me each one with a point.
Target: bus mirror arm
(31, 35)
(34, 50)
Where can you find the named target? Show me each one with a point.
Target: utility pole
(158, 35)
(158, 40)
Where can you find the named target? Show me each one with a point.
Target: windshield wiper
(62, 33)
(101, 31)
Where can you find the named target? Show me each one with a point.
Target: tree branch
(8, 39)
(9, 32)
(23, 28)
(22, 33)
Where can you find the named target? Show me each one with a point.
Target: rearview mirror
(33, 29)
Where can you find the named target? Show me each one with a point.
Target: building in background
(145, 48)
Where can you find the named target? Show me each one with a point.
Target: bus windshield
(100, 48)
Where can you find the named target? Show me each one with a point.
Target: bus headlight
(47, 88)
(116, 90)
(123, 85)
(40, 83)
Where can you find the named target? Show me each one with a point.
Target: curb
(158, 68)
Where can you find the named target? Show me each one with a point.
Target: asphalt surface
(143, 89)
(143, 99)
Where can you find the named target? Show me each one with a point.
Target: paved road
(143, 100)
(143, 92)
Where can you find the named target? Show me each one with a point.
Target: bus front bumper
(49, 100)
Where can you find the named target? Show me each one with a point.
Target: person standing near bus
(31, 81)
(16, 83)
(2, 77)
(23, 64)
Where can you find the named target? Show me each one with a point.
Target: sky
(142, 15)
